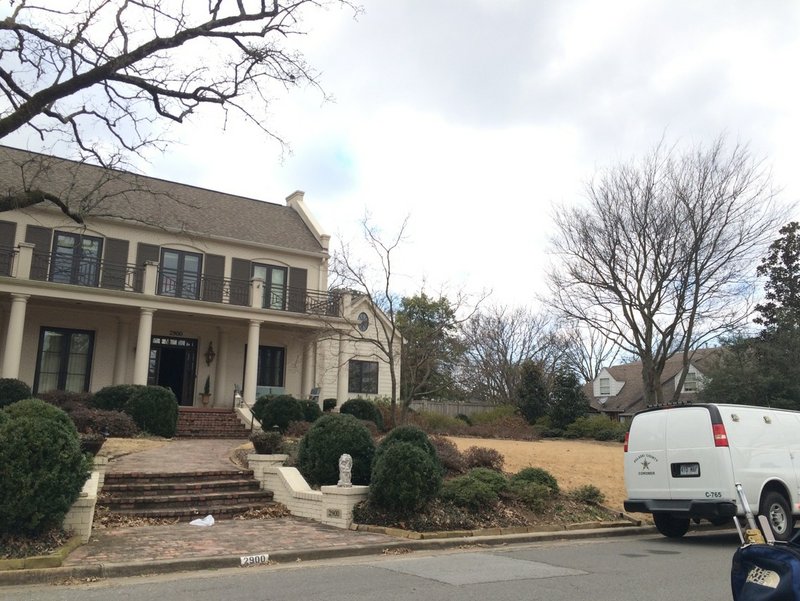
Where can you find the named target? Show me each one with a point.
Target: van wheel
(670, 526)
(779, 516)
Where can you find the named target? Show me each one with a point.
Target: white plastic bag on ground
(206, 521)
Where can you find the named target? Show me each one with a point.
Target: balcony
(23, 263)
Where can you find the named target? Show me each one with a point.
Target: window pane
(63, 254)
(363, 377)
(277, 288)
(64, 360)
(270, 366)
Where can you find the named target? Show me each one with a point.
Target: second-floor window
(76, 259)
(605, 386)
(690, 382)
(180, 274)
(274, 285)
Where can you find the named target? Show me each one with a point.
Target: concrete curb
(142, 568)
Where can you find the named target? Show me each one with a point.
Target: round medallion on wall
(363, 321)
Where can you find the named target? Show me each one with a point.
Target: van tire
(670, 526)
(775, 506)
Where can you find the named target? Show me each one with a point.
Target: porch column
(309, 368)
(121, 357)
(24, 260)
(343, 373)
(14, 332)
(251, 361)
(223, 396)
(142, 358)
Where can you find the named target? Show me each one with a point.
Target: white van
(682, 463)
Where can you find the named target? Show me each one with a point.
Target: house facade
(618, 392)
(173, 285)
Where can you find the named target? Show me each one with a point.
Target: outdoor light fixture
(210, 354)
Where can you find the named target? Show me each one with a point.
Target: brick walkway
(224, 538)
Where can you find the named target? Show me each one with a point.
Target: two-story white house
(618, 392)
(174, 285)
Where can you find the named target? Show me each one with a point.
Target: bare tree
(588, 350)
(662, 258)
(352, 273)
(104, 78)
(498, 340)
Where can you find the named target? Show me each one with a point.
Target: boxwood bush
(328, 405)
(154, 409)
(267, 443)
(114, 398)
(478, 488)
(411, 435)
(538, 476)
(42, 470)
(596, 427)
(279, 411)
(404, 478)
(38, 409)
(311, 410)
(13, 390)
(330, 437)
(363, 409)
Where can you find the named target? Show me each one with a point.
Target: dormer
(604, 385)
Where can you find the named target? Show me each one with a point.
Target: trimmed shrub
(299, 429)
(464, 418)
(13, 390)
(588, 493)
(154, 409)
(449, 456)
(329, 438)
(42, 470)
(267, 443)
(596, 427)
(494, 480)
(279, 411)
(469, 492)
(532, 494)
(411, 435)
(536, 475)
(328, 405)
(261, 403)
(484, 457)
(363, 409)
(114, 398)
(311, 411)
(68, 401)
(404, 477)
(39, 410)
(111, 423)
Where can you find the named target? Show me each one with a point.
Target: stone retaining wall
(80, 516)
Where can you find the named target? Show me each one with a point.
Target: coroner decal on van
(644, 461)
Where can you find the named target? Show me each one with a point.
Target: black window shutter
(240, 281)
(8, 231)
(144, 253)
(214, 281)
(41, 238)
(115, 263)
(297, 289)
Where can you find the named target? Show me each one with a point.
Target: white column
(251, 361)
(142, 358)
(309, 368)
(121, 358)
(223, 396)
(14, 332)
(341, 384)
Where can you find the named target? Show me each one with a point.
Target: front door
(172, 365)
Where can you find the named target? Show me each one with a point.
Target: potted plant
(267, 443)
(205, 396)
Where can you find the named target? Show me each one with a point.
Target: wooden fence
(453, 408)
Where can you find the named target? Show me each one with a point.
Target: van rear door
(699, 463)
(646, 464)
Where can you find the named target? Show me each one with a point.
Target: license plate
(688, 470)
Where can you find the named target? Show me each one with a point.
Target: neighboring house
(174, 285)
(618, 391)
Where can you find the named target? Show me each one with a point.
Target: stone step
(189, 513)
(175, 477)
(166, 488)
(117, 503)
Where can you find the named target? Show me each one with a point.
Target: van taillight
(720, 436)
(627, 435)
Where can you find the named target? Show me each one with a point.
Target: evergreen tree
(567, 401)
(781, 266)
(532, 393)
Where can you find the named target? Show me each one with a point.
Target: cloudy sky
(475, 117)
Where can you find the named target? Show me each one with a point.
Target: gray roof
(95, 191)
(631, 398)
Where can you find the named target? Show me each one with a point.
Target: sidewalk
(181, 547)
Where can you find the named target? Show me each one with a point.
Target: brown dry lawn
(573, 462)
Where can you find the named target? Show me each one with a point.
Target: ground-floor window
(64, 361)
(363, 377)
(271, 360)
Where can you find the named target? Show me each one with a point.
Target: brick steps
(183, 495)
(197, 422)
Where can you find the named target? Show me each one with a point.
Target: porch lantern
(210, 354)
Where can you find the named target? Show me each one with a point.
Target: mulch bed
(18, 546)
